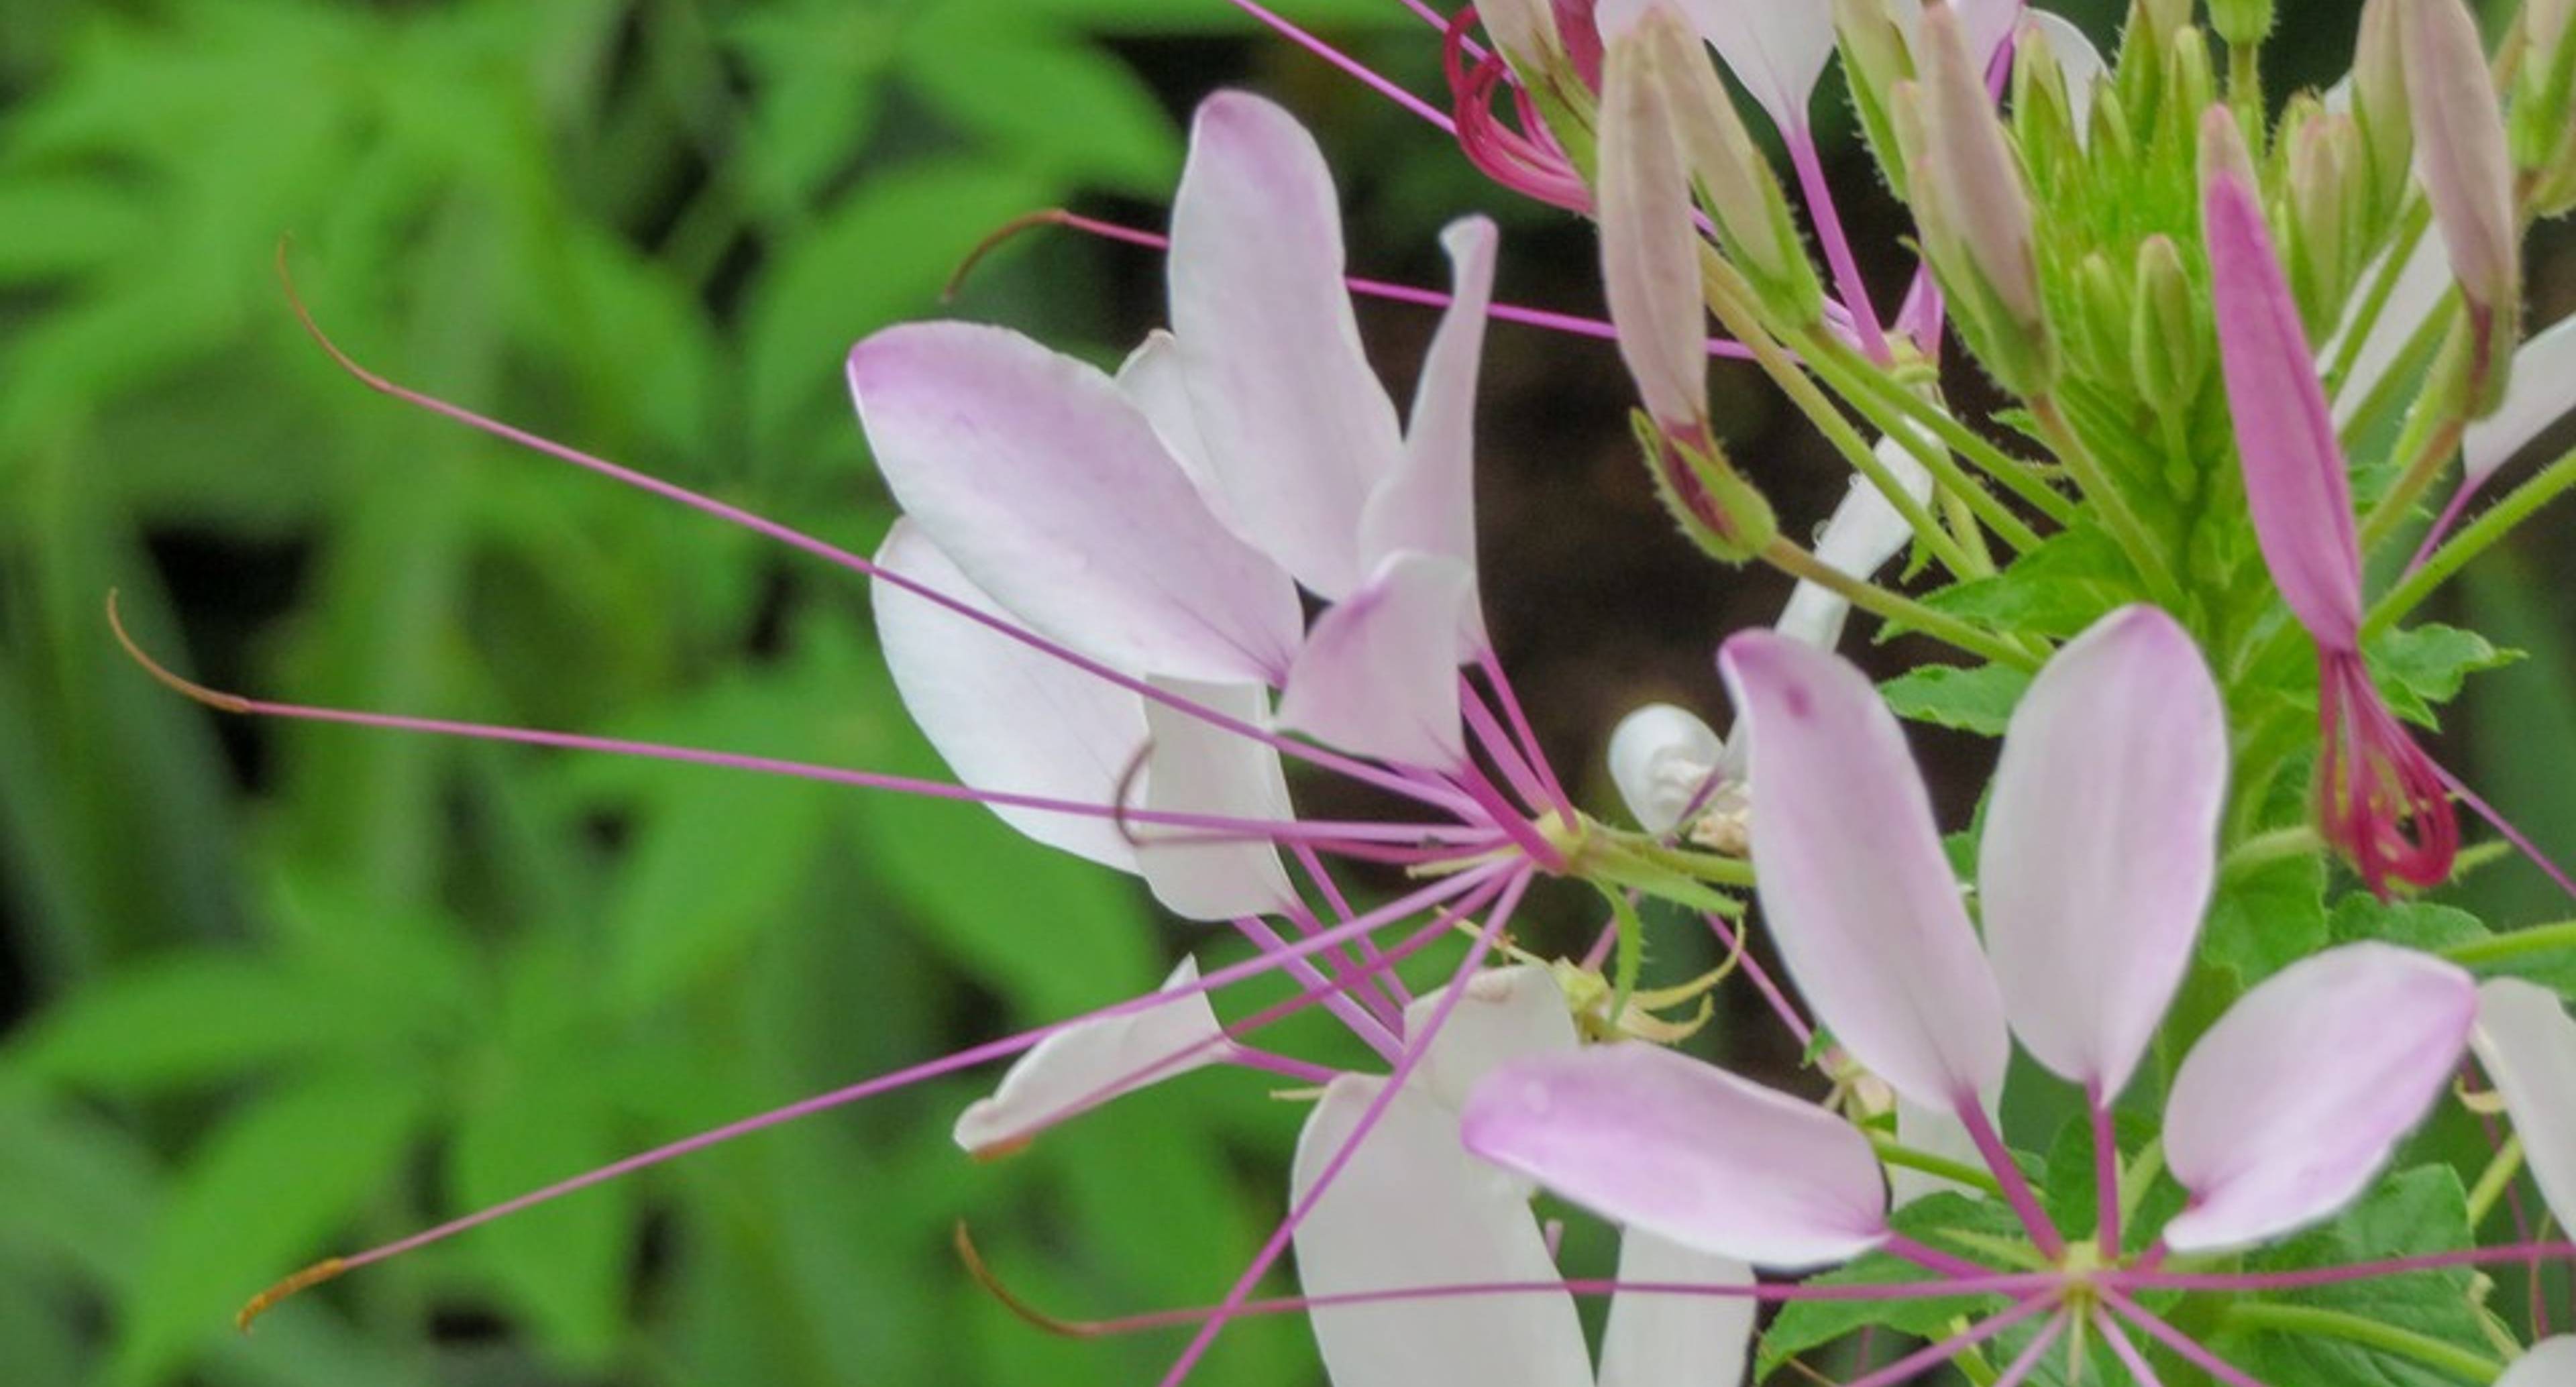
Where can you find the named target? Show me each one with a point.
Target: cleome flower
(2095, 865)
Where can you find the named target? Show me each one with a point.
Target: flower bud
(1974, 212)
(2243, 23)
(2145, 51)
(2044, 118)
(2379, 105)
(1875, 59)
(2467, 171)
(2544, 104)
(1551, 44)
(1716, 508)
(2328, 187)
(2167, 348)
(1649, 249)
(2101, 335)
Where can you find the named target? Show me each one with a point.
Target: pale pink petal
(2294, 467)
(2462, 156)
(1865, 532)
(1649, 251)
(1299, 432)
(1151, 380)
(1662, 759)
(2292, 1102)
(1777, 50)
(2551, 1363)
(1411, 1209)
(1505, 1014)
(1666, 1340)
(1379, 674)
(1429, 505)
(2543, 392)
(1085, 1065)
(1685, 1151)
(1197, 768)
(1858, 895)
(1054, 495)
(2422, 282)
(2528, 1045)
(1934, 1132)
(1005, 717)
(2101, 843)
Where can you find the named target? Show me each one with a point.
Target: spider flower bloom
(2381, 800)
(2098, 854)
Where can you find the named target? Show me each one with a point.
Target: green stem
(2472, 540)
(2431, 454)
(2140, 1177)
(2411, 227)
(2264, 849)
(1699, 866)
(2369, 1333)
(1795, 561)
(2123, 523)
(1891, 1152)
(2497, 1177)
(2515, 944)
(1861, 381)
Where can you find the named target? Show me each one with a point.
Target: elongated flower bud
(2468, 176)
(2544, 105)
(1649, 249)
(2329, 189)
(1971, 205)
(1715, 507)
(2379, 104)
(2165, 342)
(1875, 59)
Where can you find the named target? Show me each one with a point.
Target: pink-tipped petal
(1053, 494)
(1865, 532)
(1429, 504)
(1379, 674)
(2288, 1107)
(2463, 159)
(1003, 716)
(1662, 759)
(1197, 768)
(2543, 392)
(2101, 843)
(1505, 1014)
(1649, 249)
(2528, 1045)
(1778, 51)
(2294, 468)
(1685, 1151)
(1083, 1066)
(1299, 432)
(1860, 899)
(1661, 1340)
(2551, 1363)
(1411, 1209)
(1151, 380)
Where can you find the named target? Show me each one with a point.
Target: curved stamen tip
(306, 1279)
(984, 1276)
(187, 688)
(313, 327)
(995, 240)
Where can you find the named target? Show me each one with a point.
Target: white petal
(2551, 1363)
(1667, 1340)
(2421, 285)
(1865, 532)
(1505, 1014)
(1196, 768)
(1151, 380)
(1082, 1066)
(1429, 505)
(2292, 1102)
(1053, 493)
(1299, 431)
(2101, 843)
(1379, 674)
(1857, 891)
(1777, 50)
(1934, 1132)
(2528, 1045)
(1412, 1209)
(1004, 716)
(1663, 758)
(2543, 392)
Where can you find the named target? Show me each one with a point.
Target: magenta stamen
(2442, 526)
(2031, 1354)
(1349, 65)
(2503, 826)
(1415, 1047)
(2381, 801)
(2017, 1191)
(2124, 1350)
(1337, 967)
(1287, 1067)
(1387, 980)
(1598, 956)
(1441, 22)
(1498, 748)
(2106, 1176)
(1500, 812)
(1336, 998)
(2309, 1277)
(1903, 1369)
(2179, 1342)
(1510, 703)
(1828, 222)
(1932, 1259)
(1738, 947)
(1527, 161)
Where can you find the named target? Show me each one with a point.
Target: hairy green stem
(2134, 538)
(2495, 1180)
(2474, 539)
(1794, 560)
(2366, 1332)
(2513, 945)
(1862, 382)
(1892, 1152)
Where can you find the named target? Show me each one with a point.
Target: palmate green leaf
(1963, 698)
(2417, 1211)
(2449, 930)
(1054, 99)
(716, 862)
(2264, 919)
(2423, 667)
(2073, 579)
(1809, 1324)
(259, 1196)
(193, 1019)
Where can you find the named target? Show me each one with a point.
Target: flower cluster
(1135, 611)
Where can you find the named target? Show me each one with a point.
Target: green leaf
(256, 1200)
(1808, 1324)
(2408, 924)
(2073, 579)
(2423, 667)
(1977, 699)
(2417, 1211)
(1014, 82)
(536, 1121)
(2267, 918)
(716, 862)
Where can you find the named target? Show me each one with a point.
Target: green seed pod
(2168, 350)
(1716, 508)
(2102, 329)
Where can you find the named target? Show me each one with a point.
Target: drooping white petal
(1662, 1340)
(1379, 674)
(1663, 760)
(1197, 768)
(2101, 843)
(1083, 1066)
(2421, 284)
(1778, 51)
(1299, 432)
(1505, 1014)
(1865, 532)
(1412, 1209)
(1686, 1151)
(1006, 717)
(2291, 1103)
(2528, 1045)
(1853, 882)
(2543, 392)
(1050, 491)
(2551, 1363)
(1429, 504)
(1151, 380)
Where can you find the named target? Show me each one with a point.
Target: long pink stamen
(1828, 221)
(2307, 1278)
(1285, 1066)
(1510, 703)
(2017, 1191)
(2521, 841)
(1366, 76)
(2441, 530)
(2031, 1354)
(1738, 947)
(1499, 748)
(1931, 1258)
(1416, 1047)
(1331, 890)
(1903, 1369)
(2124, 1350)
(2179, 1342)
(1337, 995)
(2106, 1176)
(2381, 800)
(1531, 164)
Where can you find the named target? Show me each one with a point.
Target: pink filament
(2381, 800)
(1351, 66)
(1531, 164)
